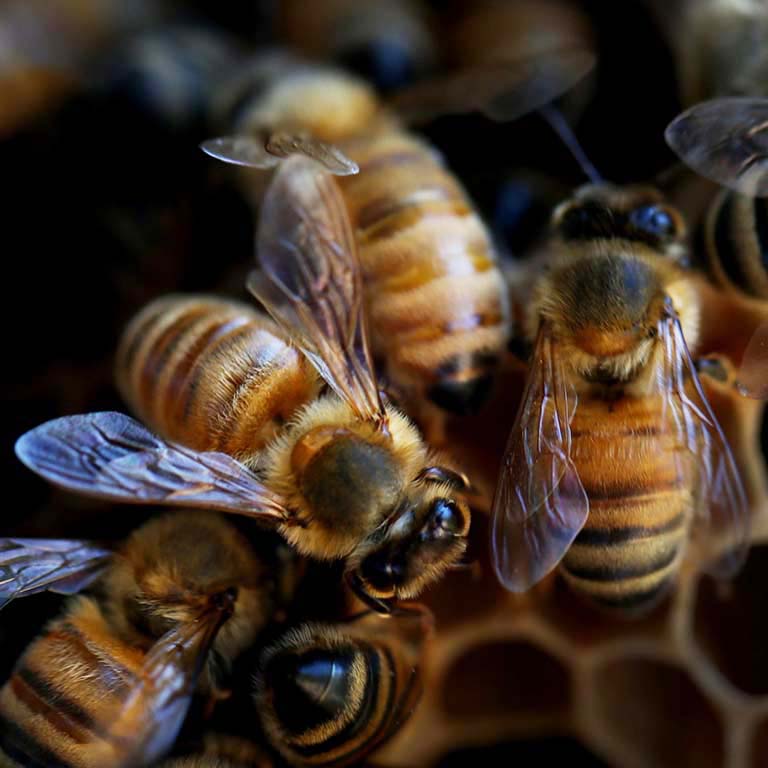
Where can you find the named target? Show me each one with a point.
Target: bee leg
(215, 697)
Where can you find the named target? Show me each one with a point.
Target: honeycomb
(507, 678)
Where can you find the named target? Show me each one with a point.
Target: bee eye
(447, 516)
(382, 571)
(654, 219)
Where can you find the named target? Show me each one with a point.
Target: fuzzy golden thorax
(341, 476)
(616, 258)
(174, 569)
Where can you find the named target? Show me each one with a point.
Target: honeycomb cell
(731, 624)
(512, 677)
(558, 750)
(658, 714)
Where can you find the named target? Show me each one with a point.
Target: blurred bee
(110, 681)
(615, 456)
(330, 694)
(347, 477)
(388, 42)
(435, 296)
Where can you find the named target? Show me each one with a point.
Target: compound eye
(382, 572)
(656, 220)
(447, 516)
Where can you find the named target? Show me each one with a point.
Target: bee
(347, 477)
(616, 456)
(109, 682)
(388, 42)
(435, 295)
(329, 694)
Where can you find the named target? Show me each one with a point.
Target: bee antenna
(560, 126)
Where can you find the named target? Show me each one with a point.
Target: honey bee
(615, 456)
(435, 295)
(329, 694)
(110, 681)
(348, 477)
(388, 42)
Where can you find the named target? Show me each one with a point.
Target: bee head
(182, 565)
(616, 252)
(415, 547)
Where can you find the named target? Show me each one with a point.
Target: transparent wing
(540, 504)
(29, 566)
(504, 89)
(725, 140)
(110, 455)
(722, 519)
(753, 372)
(310, 280)
(155, 706)
(268, 149)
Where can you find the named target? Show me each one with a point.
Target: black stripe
(632, 600)
(609, 573)
(630, 492)
(54, 698)
(19, 746)
(726, 251)
(599, 537)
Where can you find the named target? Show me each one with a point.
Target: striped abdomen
(736, 240)
(436, 298)
(329, 699)
(639, 503)
(64, 692)
(211, 374)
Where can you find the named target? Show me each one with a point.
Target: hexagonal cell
(759, 751)
(475, 588)
(731, 624)
(658, 713)
(557, 750)
(587, 625)
(500, 678)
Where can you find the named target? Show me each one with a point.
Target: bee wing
(722, 513)
(110, 455)
(310, 280)
(503, 89)
(29, 566)
(154, 709)
(270, 148)
(540, 504)
(753, 372)
(725, 140)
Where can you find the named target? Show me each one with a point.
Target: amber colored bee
(329, 694)
(616, 455)
(110, 681)
(389, 42)
(347, 477)
(437, 306)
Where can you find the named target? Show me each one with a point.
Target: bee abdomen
(736, 239)
(328, 703)
(436, 297)
(211, 374)
(55, 708)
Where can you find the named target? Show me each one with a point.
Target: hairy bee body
(328, 696)
(69, 683)
(212, 374)
(435, 295)
(74, 682)
(640, 505)
(439, 318)
(736, 241)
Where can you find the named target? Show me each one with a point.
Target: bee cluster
(442, 320)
